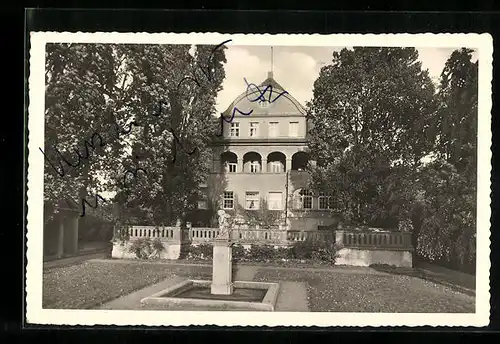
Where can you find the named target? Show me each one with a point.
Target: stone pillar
(222, 283)
(71, 234)
(339, 236)
(173, 249)
(60, 238)
(239, 168)
(75, 221)
(288, 165)
(264, 166)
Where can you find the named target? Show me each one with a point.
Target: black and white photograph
(318, 180)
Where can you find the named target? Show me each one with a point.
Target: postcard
(258, 180)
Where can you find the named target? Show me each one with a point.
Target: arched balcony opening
(228, 162)
(276, 162)
(252, 162)
(300, 161)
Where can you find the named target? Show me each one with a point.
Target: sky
(296, 68)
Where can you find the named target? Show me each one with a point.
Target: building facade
(261, 157)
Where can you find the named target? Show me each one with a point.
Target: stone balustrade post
(339, 237)
(173, 246)
(264, 166)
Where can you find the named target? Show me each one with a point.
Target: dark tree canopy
(393, 150)
(371, 115)
(157, 162)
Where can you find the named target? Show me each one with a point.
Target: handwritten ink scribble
(177, 142)
(207, 72)
(260, 97)
(84, 201)
(262, 93)
(223, 119)
(89, 146)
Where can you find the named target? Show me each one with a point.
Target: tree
(83, 89)
(172, 143)
(135, 118)
(448, 219)
(370, 118)
(456, 121)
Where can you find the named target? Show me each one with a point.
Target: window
(275, 167)
(325, 200)
(263, 103)
(228, 200)
(306, 199)
(230, 167)
(254, 167)
(254, 129)
(203, 204)
(273, 129)
(235, 129)
(275, 201)
(252, 200)
(294, 129)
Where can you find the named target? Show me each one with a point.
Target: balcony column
(263, 168)
(240, 165)
(288, 165)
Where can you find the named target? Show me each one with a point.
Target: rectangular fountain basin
(193, 294)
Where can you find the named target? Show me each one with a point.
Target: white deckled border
(35, 313)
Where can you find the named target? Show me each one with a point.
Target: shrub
(203, 251)
(239, 252)
(283, 253)
(261, 253)
(325, 250)
(121, 236)
(145, 248)
(303, 249)
(326, 253)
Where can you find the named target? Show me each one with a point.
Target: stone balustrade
(357, 247)
(382, 239)
(347, 238)
(151, 232)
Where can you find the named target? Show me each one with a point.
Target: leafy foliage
(448, 212)
(147, 124)
(324, 250)
(202, 251)
(370, 114)
(145, 248)
(375, 117)
(262, 216)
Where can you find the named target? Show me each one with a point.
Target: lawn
(337, 291)
(91, 284)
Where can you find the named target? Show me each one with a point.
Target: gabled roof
(271, 82)
(276, 90)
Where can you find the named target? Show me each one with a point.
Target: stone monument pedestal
(222, 272)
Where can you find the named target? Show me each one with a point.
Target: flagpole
(272, 59)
